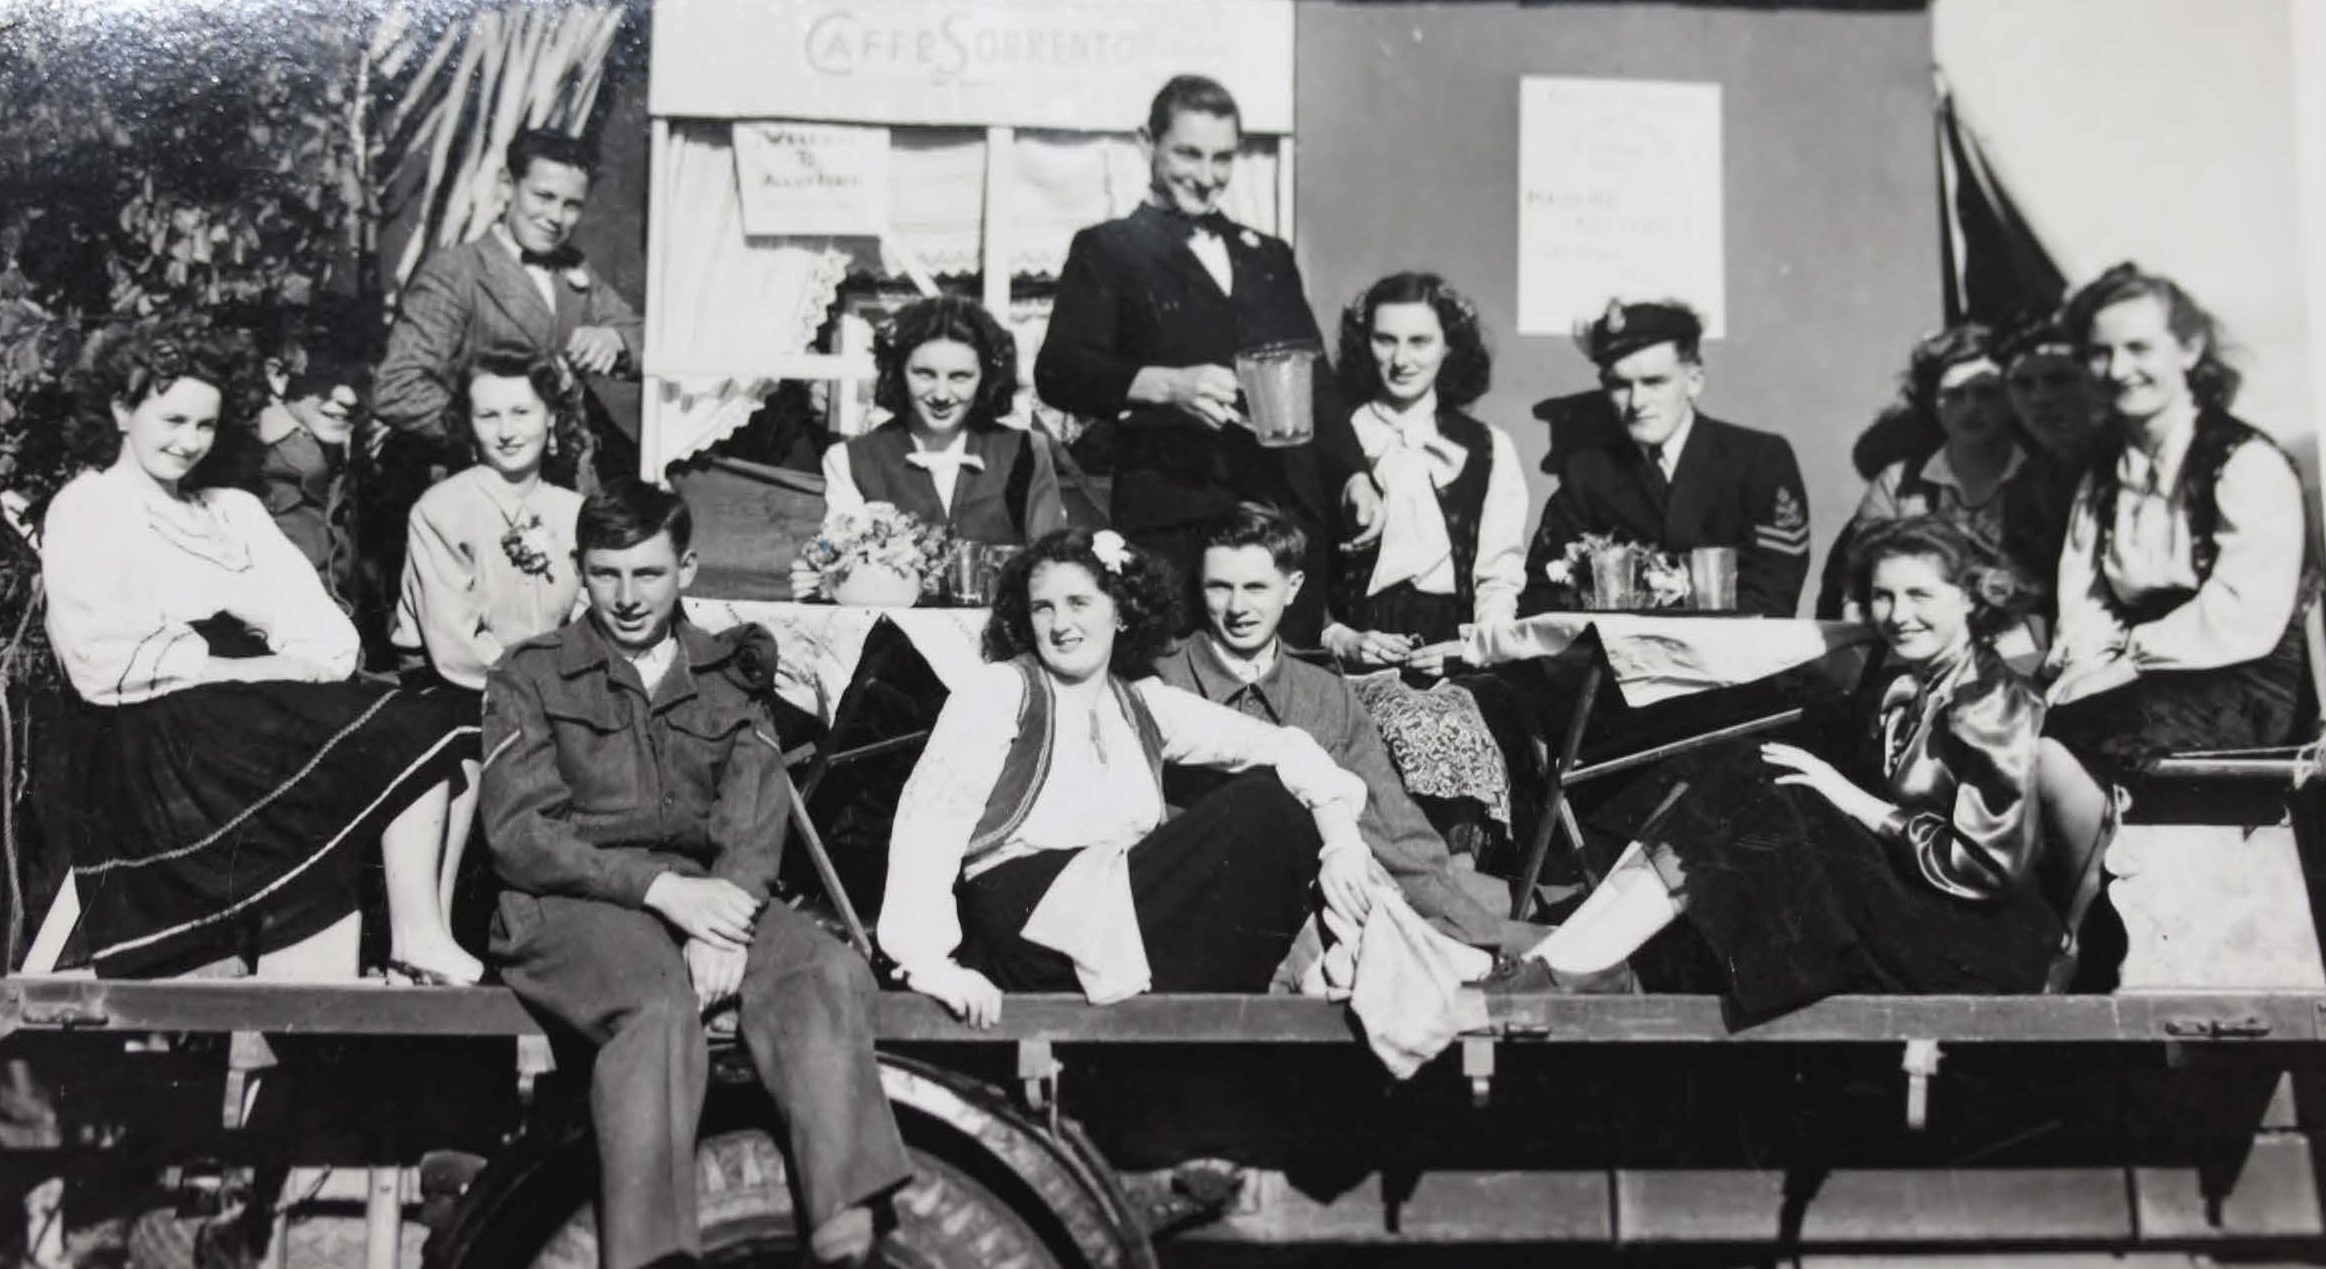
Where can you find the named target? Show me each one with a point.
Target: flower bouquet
(877, 555)
(1609, 574)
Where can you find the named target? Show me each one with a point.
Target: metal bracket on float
(1478, 1068)
(1038, 1068)
(1921, 1063)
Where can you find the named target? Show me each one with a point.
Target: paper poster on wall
(1619, 197)
(808, 178)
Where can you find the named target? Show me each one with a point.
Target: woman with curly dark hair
(1909, 867)
(1030, 851)
(1453, 543)
(222, 779)
(490, 559)
(948, 377)
(2181, 583)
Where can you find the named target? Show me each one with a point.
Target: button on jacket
(593, 786)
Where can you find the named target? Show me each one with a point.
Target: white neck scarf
(1411, 459)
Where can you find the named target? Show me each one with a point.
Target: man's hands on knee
(711, 909)
(716, 972)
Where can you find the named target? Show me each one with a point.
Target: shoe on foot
(845, 1238)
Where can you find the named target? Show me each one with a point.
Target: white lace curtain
(726, 306)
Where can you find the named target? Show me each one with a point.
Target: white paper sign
(807, 178)
(1619, 197)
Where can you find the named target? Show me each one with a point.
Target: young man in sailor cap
(1676, 479)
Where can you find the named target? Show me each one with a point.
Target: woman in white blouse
(1030, 851)
(490, 557)
(1453, 543)
(222, 780)
(2181, 580)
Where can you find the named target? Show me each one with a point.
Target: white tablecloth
(818, 645)
(1658, 658)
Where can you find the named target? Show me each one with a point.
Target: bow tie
(564, 257)
(1214, 223)
(939, 460)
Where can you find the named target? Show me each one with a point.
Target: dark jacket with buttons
(593, 786)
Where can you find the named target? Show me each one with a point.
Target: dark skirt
(1221, 891)
(1798, 902)
(1401, 609)
(237, 818)
(2251, 705)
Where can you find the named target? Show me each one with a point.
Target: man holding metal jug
(1189, 338)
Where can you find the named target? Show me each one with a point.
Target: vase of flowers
(1609, 574)
(878, 556)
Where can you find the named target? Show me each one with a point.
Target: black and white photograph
(1162, 634)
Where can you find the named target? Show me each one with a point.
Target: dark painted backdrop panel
(1408, 158)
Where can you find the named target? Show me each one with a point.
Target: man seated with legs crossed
(635, 802)
(1251, 571)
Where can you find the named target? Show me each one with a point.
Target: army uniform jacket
(593, 786)
(1733, 486)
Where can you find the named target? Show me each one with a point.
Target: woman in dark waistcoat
(1031, 850)
(948, 376)
(2181, 584)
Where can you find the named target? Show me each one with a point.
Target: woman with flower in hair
(489, 560)
(2181, 582)
(948, 376)
(1453, 544)
(1030, 850)
(1905, 863)
(222, 779)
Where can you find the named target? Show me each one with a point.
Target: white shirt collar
(1246, 671)
(1669, 459)
(653, 665)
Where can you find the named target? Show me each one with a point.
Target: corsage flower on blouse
(527, 545)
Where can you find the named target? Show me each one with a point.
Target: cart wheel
(946, 1219)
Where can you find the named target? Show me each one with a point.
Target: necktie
(1658, 484)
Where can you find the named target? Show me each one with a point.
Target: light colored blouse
(129, 569)
(1958, 749)
(1887, 499)
(1412, 460)
(1099, 797)
(2239, 612)
(483, 569)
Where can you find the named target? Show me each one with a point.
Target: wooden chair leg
(1555, 813)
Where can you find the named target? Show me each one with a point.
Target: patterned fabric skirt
(236, 818)
(1439, 740)
(2253, 704)
(1797, 901)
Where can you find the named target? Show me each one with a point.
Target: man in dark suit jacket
(521, 289)
(1675, 480)
(1150, 314)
